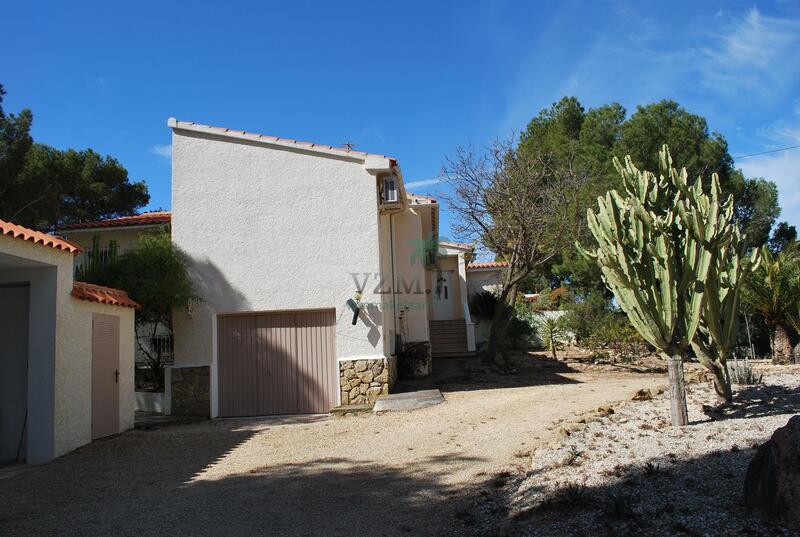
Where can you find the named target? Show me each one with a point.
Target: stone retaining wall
(363, 381)
(191, 391)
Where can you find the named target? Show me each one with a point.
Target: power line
(768, 152)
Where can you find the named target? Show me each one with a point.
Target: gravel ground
(628, 472)
(414, 473)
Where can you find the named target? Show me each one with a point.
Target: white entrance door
(443, 296)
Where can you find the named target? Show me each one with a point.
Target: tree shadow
(762, 400)
(665, 496)
(174, 481)
(521, 370)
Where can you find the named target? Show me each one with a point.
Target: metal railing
(156, 345)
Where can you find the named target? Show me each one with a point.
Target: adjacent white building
(66, 358)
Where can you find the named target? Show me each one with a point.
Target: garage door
(277, 363)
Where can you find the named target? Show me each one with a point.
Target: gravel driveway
(414, 473)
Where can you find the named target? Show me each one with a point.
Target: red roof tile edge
(144, 219)
(488, 264)
(103, 295)
(37, 237)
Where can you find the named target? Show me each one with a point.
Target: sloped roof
(144, 219)
(37, 237)
(418, 199)
(274, 140)
(460, 245)
(103, 295)
(487, 265)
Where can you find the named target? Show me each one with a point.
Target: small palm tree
(553, 334)
(773, 292)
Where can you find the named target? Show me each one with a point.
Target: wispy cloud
(163, 151)
(752, 52)
(423, 182)
(784, 170)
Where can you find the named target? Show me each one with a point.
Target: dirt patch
(442, 470)
(630, 473)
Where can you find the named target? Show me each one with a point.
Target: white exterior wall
(73, 401)
(271, 228)
(66, 344)
(479, 280)
(410, 278)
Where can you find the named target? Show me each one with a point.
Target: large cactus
(654, 247)
(715, 338)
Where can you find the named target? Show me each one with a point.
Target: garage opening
(272, 363)
(14, 318)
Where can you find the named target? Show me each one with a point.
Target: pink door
(105, 375)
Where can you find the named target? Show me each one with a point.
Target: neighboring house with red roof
(486, 276)
(119, 234)
(66, 372)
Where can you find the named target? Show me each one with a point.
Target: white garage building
(66, 351)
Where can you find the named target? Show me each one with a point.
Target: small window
(390, 194)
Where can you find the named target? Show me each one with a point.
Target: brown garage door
(276, 363)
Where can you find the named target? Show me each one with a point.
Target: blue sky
(410, 80)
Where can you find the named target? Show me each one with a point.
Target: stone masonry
(363, 381)
(191, 391)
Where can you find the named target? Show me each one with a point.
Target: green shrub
(483, 304)
(585, 317)
(617, 335)
(742, 373)
(553, 334)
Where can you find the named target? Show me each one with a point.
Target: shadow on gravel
(522, 370)
(668, 497)
(764, 400)
(163, 482)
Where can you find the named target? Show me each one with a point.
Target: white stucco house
(315, 268)
(66, 358)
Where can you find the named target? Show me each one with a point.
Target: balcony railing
(431, 256)
(155, 346)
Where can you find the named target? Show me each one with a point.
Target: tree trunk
(797, 354)
(677, 391)
(722, 380)
(496, 333)
(781, 345)
(722, 384)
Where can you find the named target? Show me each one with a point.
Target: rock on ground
(772, 485)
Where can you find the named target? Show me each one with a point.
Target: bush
(552, 300)
(617, 335)
(483, 304)
(743, 373)
(585, 317)
(553, 334)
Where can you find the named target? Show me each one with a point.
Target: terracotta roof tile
(488, 264)
(37, 237)
(191, 125)
(144, 219)
(103, 295)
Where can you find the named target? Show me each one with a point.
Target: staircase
(448, 338)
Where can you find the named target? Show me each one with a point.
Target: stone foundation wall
(363, 381)
(191, 391)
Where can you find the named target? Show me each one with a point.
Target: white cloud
(752, 52)
(423, 182)
(163, 151)
(784, 170)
